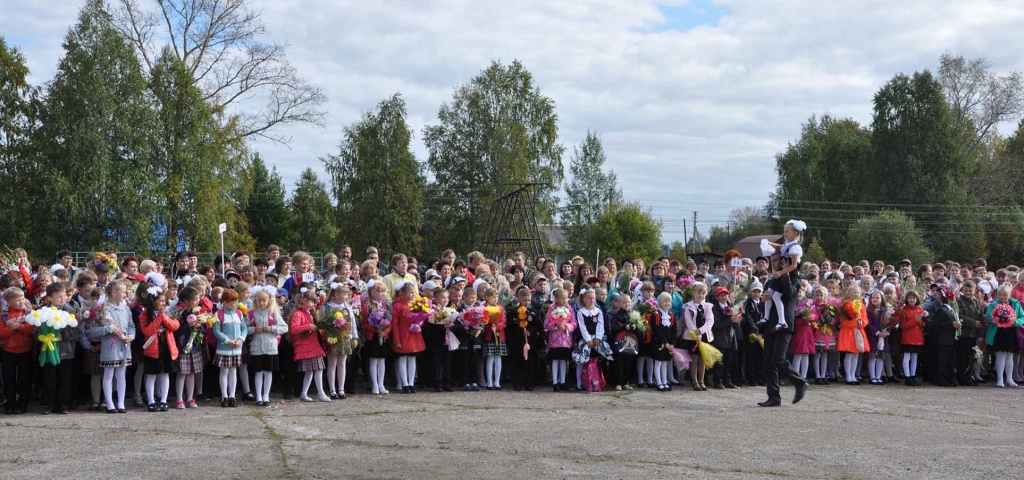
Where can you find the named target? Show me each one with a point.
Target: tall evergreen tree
(312, 215)
(96, 143)
(920, 162)
(202, 167)
(267, 209)
(378, 183)
(590, 192)
(498, 129)
(18, 111)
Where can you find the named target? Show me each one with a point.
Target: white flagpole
(223, 228)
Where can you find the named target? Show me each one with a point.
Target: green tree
(312, 215)
(830, 163)
(267, 209)
(889, 235)
(920, 160)
(628, 231)
(677, 251)
(18, 111)
(378, 183)
(498, 129)
(590, 192)
(202, 165)
(96, 144)
(814, 254)
(1004, 235)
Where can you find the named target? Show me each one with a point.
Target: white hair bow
(371, 283)
(271, 290)
(154, 291)
(156, 279)
(303, 289)
(797, 225)
(767, 249)
(335, 285)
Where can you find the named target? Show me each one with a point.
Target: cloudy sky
(692, 98)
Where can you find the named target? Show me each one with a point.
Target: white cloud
(691, 120)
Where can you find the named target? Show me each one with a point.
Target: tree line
(141, 142)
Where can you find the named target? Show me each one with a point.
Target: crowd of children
(234, 330)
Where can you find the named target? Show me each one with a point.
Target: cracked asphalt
(837, 432)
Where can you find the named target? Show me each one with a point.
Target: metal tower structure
(512, 224)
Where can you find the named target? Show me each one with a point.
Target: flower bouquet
(102, 258)
(380, 320)
(522, 316)
(197, 323)
(444, 316)
(560, 318)
(647, 307)
(1004, 316)
(419, 312)
(637, 321)
(824, 315)
(708, 353)
(50, 321)
(685, 286)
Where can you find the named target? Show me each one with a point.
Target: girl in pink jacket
(559, 325)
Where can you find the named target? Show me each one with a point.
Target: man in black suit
(777, 336)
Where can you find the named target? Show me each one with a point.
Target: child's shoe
(180, 405)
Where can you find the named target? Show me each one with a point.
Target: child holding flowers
(435, 336)
(376, 316)
(910, 319)
(159, 350)
(230, 330)
(878, 334)
(523, 327)
(267, 326)
(1004, 318)
(823, 321)
(115, 335)
(309, 355)
(559, 327)
(338, 319)
(853, 339)
(189, 338)
(646, 305)
(698, 320)
(407, 337)
(59, 377)
(494, 346)
(802, 345)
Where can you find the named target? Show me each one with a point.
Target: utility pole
(686, 241)
(696, 243)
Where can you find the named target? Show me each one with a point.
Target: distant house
(750, 247)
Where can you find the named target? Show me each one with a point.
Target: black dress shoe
(122, 410)
(111, 410)
(770, 403)
(151, 407)
(163, 407)
(232, 402)
(801, 389)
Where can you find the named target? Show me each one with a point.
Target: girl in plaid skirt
(309, 354)
(190, 360)
(494, 339)
(230, 330)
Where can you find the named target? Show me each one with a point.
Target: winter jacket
(20, 340)
(305, 336)
(112, 349)
(911, 325)
(265, 343)
(150, 327)
(230, 326)
(404, 342)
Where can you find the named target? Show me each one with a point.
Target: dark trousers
(17, 380)
(776, 346)
(287, 374)
(754, 357)
(964, 355)
(723, 369)
(59, 384)
(622, 368)
(441, 361)
(945, 364)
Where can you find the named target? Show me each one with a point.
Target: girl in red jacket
(160, 350)
(911, 323)
(309, 355)
(405, 343)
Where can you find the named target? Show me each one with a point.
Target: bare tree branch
(980, 99)
(219, 42)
